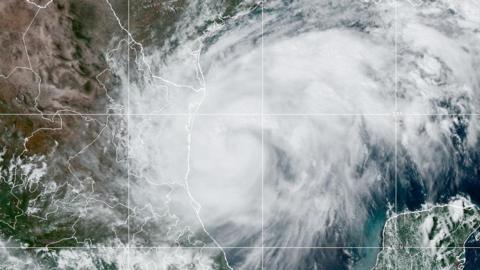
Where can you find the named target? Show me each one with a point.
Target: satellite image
(240, 134)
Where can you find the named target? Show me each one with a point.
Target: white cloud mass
(329, 125)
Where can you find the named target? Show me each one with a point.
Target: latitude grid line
(233, 247)
(394, 114)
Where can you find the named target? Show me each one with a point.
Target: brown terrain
(157, 15)
(52, 61)
(54, 54)
(53, 71)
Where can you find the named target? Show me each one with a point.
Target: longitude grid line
(395, 81)
(128, 135)
(262, 134)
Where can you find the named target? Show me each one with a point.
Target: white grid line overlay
(128, 135)
(233, 248)
(398, 114)
(263, 135)
(395, 81)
